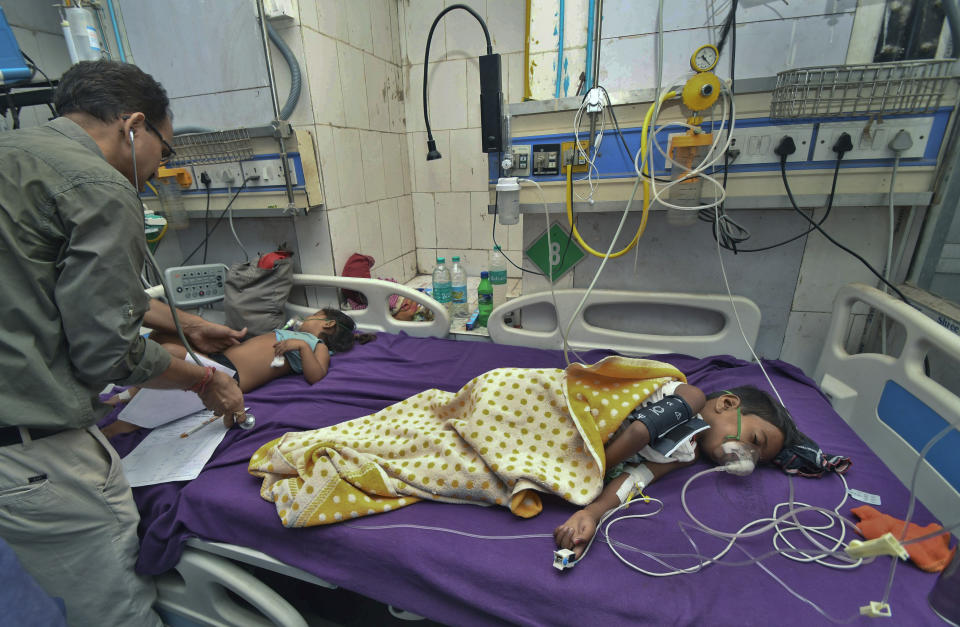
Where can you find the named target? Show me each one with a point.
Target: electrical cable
(616, 126)
(153, 261)
(431, 144)
(36, 68)
(206, 223)
(646, 197)
(217, 223)
(729, 230)
(603, 263)
(891, 216)
(786, 185)
(246, 256)
(549, 275)
(727, 24)
(830, 199)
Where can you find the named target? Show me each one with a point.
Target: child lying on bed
(758, 425)
(261, 359)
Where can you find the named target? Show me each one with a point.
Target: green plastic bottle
(484, 298)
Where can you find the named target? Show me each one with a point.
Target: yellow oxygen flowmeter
(688, 150)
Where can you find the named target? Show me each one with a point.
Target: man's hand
(222, 395)
(209, 337)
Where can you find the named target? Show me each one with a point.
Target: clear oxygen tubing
(888, 266)
(606, 257)
(234, 230)
(913, 502)
(646, 196)
(712, 157)
(553, 294)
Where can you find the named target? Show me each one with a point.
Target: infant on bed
(261, 359)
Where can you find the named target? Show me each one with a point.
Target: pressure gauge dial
(705, 58)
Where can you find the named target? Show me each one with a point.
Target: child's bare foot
(117, 427)
(576, 533)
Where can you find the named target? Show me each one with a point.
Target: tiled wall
(450, 195)
(351, 58)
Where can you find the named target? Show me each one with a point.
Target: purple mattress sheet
(469, 581)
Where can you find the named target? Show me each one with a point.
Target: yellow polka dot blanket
(504, 437)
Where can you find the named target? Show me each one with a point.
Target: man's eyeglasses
(168, 151)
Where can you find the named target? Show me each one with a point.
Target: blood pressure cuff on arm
(662, 416)
(805, 458)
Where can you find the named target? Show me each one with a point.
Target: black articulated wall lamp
(491, 92)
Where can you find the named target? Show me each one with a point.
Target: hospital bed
(454, 564)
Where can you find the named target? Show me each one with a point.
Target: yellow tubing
(646, 191)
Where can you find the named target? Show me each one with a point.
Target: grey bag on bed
(254, 297)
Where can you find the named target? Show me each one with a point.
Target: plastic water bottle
(498, 276)
(458, 289)
(484, 298)
(441, 283)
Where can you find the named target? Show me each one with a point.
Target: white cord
(553, 294)
(233, 230)
(606, 257)
(709, 160)
(889, 263)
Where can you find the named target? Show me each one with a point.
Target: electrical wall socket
(270, 172)
(756, 143)
(222, 175)
(570, 155)
(871, 138)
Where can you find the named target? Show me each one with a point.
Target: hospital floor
(322, 607)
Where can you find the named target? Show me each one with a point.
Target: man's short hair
(108, 89)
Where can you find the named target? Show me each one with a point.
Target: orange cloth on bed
(931, 555)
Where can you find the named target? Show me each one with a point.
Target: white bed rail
(583, 335)
(376, 317)
(199, 593)
(856, 383)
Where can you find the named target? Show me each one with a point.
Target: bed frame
(207, 569)
(583, 335)
(872, 392)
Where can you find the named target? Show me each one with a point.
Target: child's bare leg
(118, 427)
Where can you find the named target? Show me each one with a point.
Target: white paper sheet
(152, 408)
(164, 456)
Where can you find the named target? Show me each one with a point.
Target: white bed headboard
(376, 317)
(583, 335)
(860, 388)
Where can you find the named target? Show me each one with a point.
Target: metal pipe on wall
(559, 51)
(116, 30)
(526, 57)
(595, 36)
(291, 206)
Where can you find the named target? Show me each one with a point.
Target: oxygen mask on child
(738, 458)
